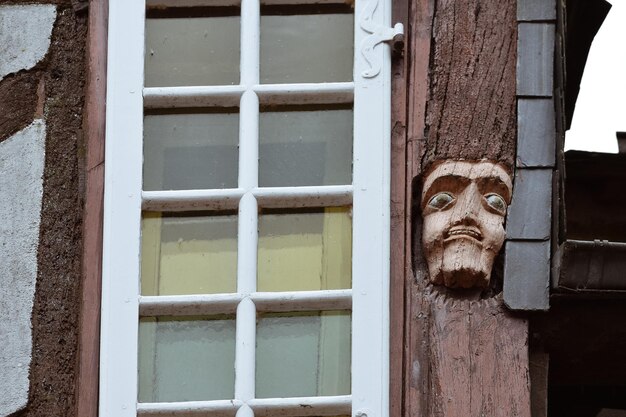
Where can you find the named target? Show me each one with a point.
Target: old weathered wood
(536, 133)
(465, 356)
(535, 60)
(533, 10)
(479, 359)
(399, 217)
(94, 127)
(530, 210)
(471, 111)
(415, 400)
(527, 275)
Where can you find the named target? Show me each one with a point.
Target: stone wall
(42, 66)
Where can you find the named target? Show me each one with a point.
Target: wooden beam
(465, 353)
(94, 127)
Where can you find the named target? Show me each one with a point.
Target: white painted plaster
(24, 36)
(21, 190)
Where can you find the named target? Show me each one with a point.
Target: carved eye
(440, 200)
(496, 202)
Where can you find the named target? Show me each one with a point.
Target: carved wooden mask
(463, 207)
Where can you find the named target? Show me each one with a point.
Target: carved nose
(468, 205)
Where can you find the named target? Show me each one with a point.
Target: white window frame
(124, 202)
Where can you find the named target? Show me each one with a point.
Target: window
(246, 249)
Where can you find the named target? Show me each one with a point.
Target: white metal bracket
(377, 34)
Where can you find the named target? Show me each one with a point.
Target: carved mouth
(464, 232)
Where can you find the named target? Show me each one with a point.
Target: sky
(601, 106)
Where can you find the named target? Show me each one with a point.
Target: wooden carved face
(463, 206)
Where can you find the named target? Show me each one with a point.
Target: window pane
(299, 148)
(190, 151)
(186, 358)
(303, 354)
(192, 51)
(305, 250)
(307, 48)
(188, 253)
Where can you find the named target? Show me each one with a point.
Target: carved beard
(462, 263)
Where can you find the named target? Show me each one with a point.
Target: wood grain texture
(471, 110)
(463, 356)
(399, 210)
(94, 128)
(479, 355)
(415, 362)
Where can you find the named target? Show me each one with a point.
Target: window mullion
(122, 208)
(370, 348)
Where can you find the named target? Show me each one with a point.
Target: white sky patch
(601, 106)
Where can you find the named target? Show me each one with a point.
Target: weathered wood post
(465, 353)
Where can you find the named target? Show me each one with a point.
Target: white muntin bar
(184, 305)
(218, 3)
(245, 351)
(250, 42)
(245, 411)
(247, 245)
(249, 141)
(172, 97)
(189, 200)
(291, 197)
(302, 406)
(191, 3)
(303, 300)
(321, 93)
(221, 408)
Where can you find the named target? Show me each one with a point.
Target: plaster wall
(21, 189)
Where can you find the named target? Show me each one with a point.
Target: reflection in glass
(307, 48)
(186, 358)
(299, 148)
(190, 151)
(192, 51)
(188, 253)
(305, 250)
(303, 354)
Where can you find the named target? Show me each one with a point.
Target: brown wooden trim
(94, 128)
(399, 71)
(409, 94)
(416, 335)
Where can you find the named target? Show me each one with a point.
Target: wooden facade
(471, 80)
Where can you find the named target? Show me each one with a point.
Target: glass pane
(299, 148)
(190, 151)
(192, 51)
(188, 253)
(305, 250)
(307, 48)
(186, 358)
(303, 354)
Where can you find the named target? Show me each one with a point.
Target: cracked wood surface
(471, 110)
(464, 356)
(479, 359)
